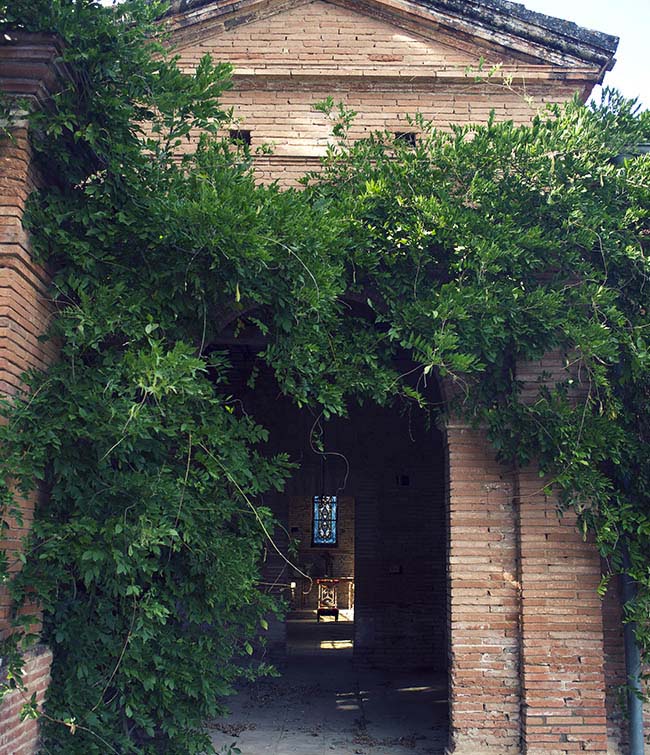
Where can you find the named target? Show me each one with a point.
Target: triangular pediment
(323, 36)
(421, 32)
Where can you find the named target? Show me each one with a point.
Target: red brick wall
(562, 629)
(563, 672)
(327, 35)
(24, 308)
(28, 68)
(485, 694)
(20, 737)
(24, 313)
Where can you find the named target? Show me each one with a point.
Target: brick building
(458, 563)
(29, 68)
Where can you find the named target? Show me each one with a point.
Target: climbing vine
(487, 248)
(475, 251)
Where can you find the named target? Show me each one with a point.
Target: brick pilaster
(29, 72)
(484, 601)
(563, 682)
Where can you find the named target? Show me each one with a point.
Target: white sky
(627, 19)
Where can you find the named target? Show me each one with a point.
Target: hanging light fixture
(325, 513)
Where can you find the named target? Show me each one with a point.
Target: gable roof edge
(490, 20)
(566, 37)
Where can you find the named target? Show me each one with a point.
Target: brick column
(483, 599)
(29, 72)
(562, 630)
(563, 677)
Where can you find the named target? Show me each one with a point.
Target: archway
(381, 649)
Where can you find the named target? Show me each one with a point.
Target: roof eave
(565, 37)
(501, 22)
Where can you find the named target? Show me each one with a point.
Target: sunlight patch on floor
(335, 644)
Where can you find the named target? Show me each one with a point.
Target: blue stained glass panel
(325, 520)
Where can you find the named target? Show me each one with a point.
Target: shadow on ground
(322, 705)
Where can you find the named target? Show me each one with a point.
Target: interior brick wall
(312, 559)
(400, 615)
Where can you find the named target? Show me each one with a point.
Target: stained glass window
(325, 516)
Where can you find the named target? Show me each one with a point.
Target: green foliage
(145, 555)
(474, 252)
(484, 249)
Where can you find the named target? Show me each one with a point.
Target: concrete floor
(321, 705)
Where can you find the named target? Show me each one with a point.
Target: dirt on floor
(322, 705)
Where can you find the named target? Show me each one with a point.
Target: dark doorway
(385, 562)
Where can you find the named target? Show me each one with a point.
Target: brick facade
(24, 311)
(20, 737)
(485, 687)
(471, 563)
(563, 680)
(525, 627)
(383, 64)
